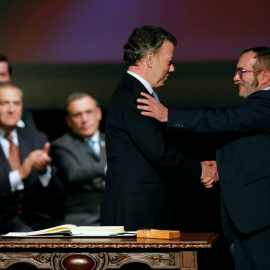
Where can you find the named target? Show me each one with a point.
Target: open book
(72, 230)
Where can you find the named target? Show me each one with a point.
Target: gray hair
(8, 84)
(78, 95)
(145, 39)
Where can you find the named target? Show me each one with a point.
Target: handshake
(209, 173)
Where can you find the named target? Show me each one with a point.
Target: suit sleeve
(147, 134)
(253, 116)
(71, 171)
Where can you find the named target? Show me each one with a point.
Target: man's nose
(11, 107)
(84, 117)
(172, 68)
(236, 77)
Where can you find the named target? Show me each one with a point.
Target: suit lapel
(4, 161)
(83, 147)
(24, 144)
(102, 147)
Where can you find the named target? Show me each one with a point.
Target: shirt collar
(94, 138)
(143, 81)
(13, 133)
(267, 88)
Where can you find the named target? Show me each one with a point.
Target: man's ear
(149, 59)
(99, 113)
(68, 121)
(266, 77)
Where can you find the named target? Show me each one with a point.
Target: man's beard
(248, 89)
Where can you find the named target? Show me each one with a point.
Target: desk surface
(187, 240)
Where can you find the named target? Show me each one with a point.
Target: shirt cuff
(15, 181)
(45, 177)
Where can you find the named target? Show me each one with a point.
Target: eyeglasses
(241, 71)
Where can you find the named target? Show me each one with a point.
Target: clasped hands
(209, 173)
(39, 159)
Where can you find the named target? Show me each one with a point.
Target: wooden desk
(105, 253)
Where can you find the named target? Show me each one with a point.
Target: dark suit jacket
(81, 172)
(243, 158)
(36, 198)
(27, 116)
(141, 166)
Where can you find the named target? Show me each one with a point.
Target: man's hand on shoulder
(152, 108)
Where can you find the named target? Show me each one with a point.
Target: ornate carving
(38, 259)
(165, 257)
(116, 260)
(42, 258)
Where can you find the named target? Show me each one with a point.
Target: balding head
(84, 115)
(10, 106)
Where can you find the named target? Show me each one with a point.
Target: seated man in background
(27, 183)
(5, 76)
(81, 160)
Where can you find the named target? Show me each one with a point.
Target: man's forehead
(4, 64)
(80, 105)
(247, 59)
(10, 92)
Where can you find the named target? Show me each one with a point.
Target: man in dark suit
(27, 183)
(242, 158)
(81, 160)
(142, 167)
(5, 76)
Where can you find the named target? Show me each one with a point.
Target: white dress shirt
(15, 180)
(143, 81)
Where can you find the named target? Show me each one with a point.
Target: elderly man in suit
(6, 76)
(141, 165)
(81, 160)
(242, 158)
(27, 183)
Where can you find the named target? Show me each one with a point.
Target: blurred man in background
(81, 160)
(6, 76)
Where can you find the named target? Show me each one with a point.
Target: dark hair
(262, 55)
(145, 39)
(3, 58)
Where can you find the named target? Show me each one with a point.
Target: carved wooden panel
(40, 260)
(188, 260)
(157, 260)
(91, 261)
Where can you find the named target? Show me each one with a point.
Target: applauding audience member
(28, 185)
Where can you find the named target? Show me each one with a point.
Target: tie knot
(9, 137)
(155, 96)
(91, 143)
